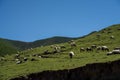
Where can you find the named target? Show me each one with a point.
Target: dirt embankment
(96, 71)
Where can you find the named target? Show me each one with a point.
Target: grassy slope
(20, 45)
(8, 68)
(6, 48)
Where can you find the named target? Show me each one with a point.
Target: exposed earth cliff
(96, 71)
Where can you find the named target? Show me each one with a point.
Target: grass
(12, 70)
(59, 61)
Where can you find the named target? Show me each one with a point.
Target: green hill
(11, 46)
(6, 48)
(60, 60)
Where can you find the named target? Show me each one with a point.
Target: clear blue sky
(30, 20)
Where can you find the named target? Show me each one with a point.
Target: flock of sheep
(72, 43)
(58, 49)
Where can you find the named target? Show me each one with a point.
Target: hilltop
(60, 60)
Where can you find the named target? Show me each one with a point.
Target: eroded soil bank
(96, 71)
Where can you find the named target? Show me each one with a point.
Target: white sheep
(71, 54)
(112, 37)
(114, 52)
(82, 49)
(105, 48)
(18, 62)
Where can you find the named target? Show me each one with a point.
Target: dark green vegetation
(6, 48)
(59, 61)
(11, 46)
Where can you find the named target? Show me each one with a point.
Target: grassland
(9, 69)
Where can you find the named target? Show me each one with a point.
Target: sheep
(40, 56)
(71, 54)
(18, 62)
(73, 44)
(82, 49)
(25, 59)
(93, 46)
(56, 48)
(98, 48)
(114, 52)
(109, 53)
(17, 55)
(104, 48)
(112, 37)
(89, 49)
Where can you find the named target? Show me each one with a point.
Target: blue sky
(30, 20)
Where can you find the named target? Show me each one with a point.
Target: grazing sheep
(89, 49)
(73, 44)
(71, 54)
(18, 62)
(93, 46)
(17, 55)
(114, 52)
(112, 37)
(104, 48)
(98, 48)
(17, 59)
(56, 48)
(82, 49)
(25, 59)
(109, 53)
(40, 56)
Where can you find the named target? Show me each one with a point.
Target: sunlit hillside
(46, 58)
